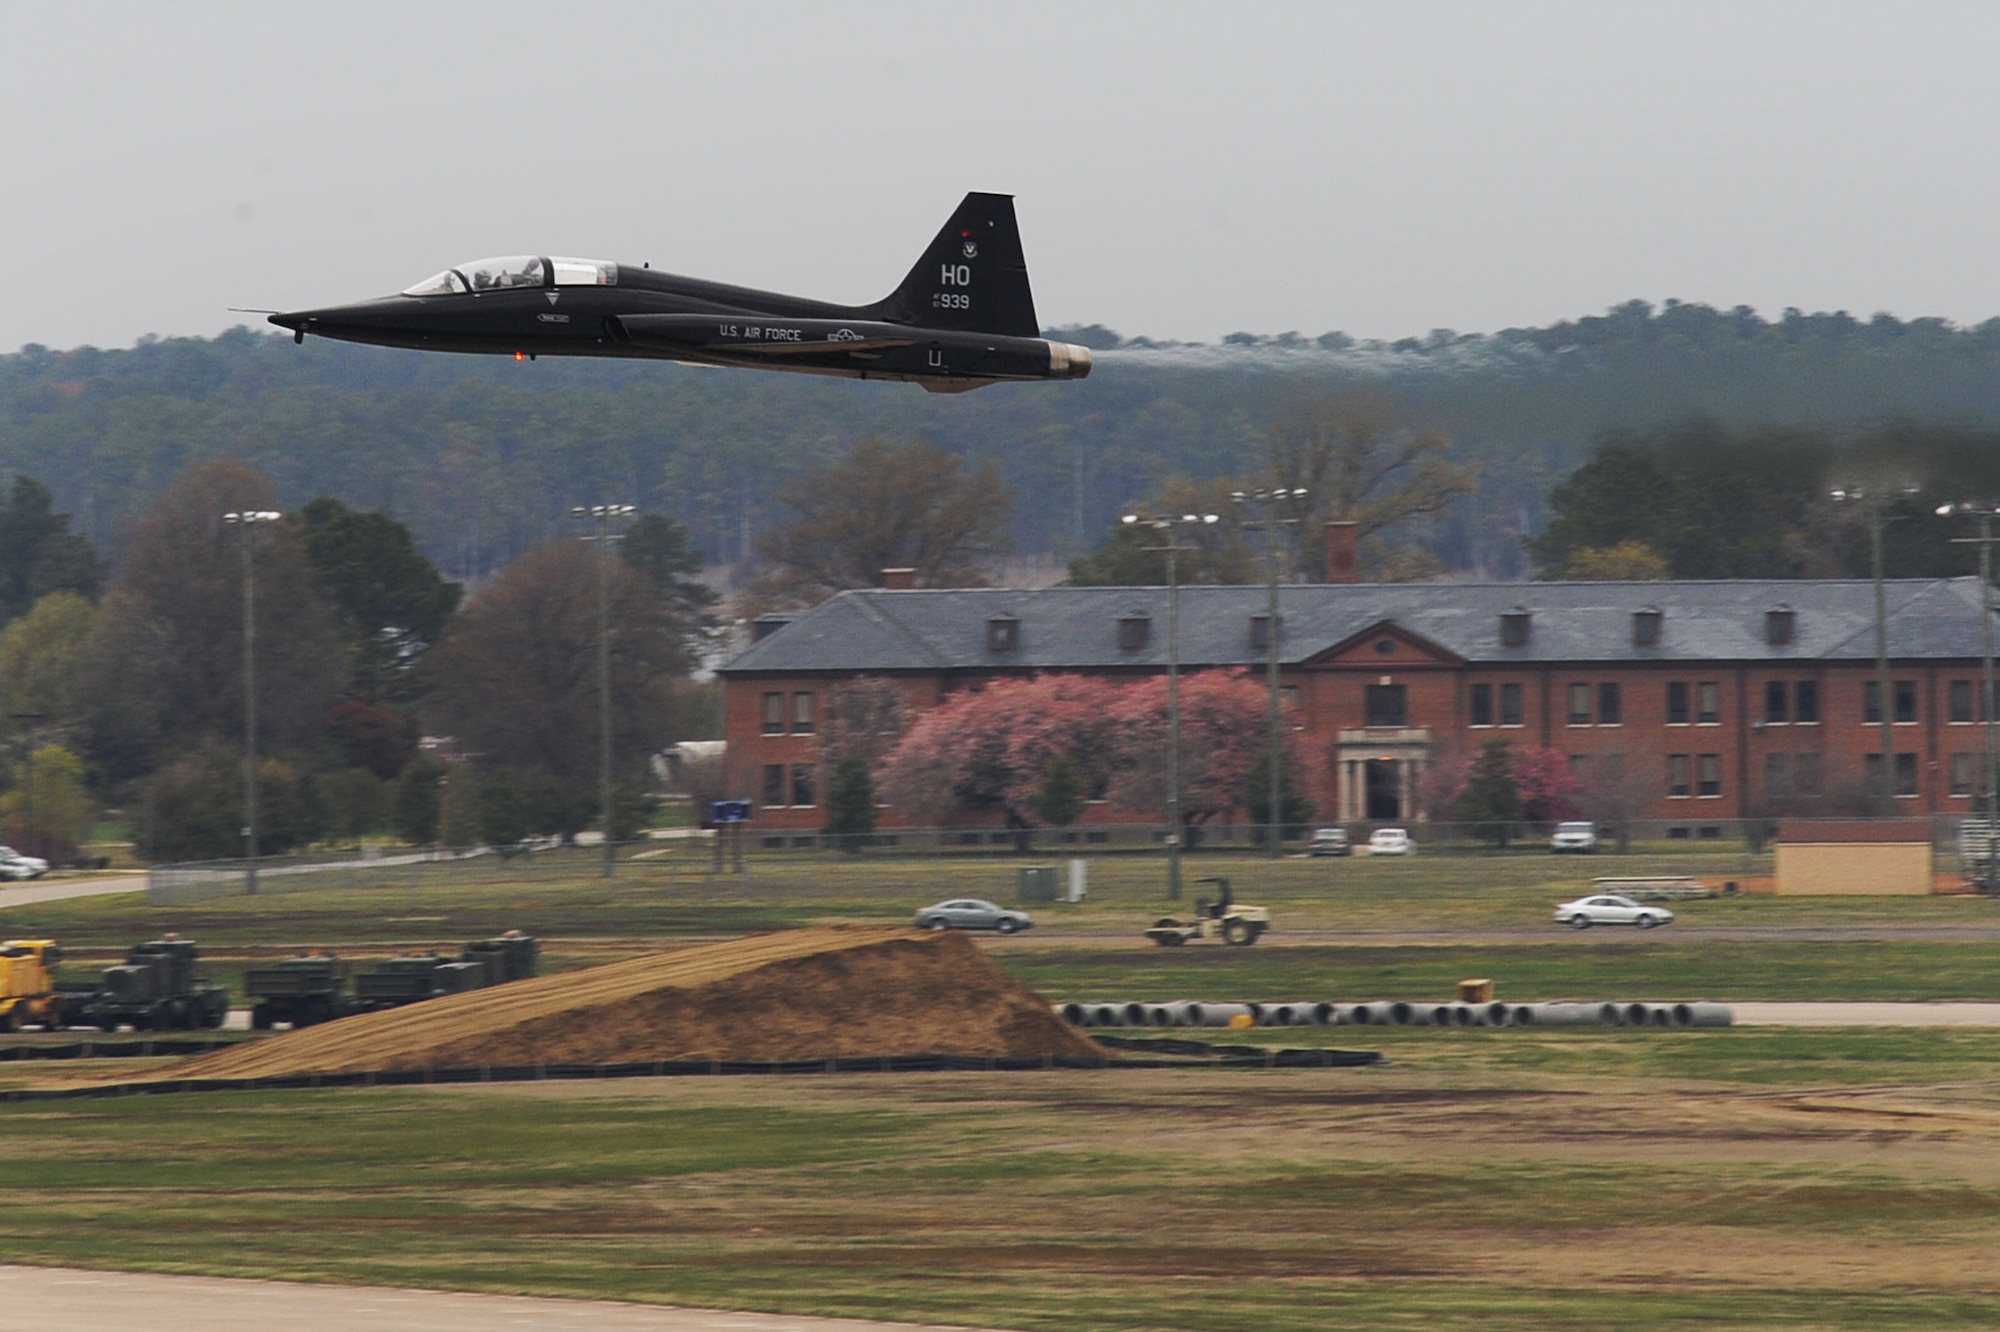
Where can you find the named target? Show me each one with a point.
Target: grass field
(1576, 1179)
(1513, 1179)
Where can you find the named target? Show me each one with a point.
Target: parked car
(972, 913)
(1329, 842)
(1577, 837)
(1390, 842)
(1610, 909)
(14, 865)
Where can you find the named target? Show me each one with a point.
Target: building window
(802, 785)
(1678, 712)
(1514, 628)
(1002, 633)
(1906, 702)
(1777, 775)
(1962, 770)
(1610, 706)
(1806, 774)
(1776, 713)
(1579, 766)
(1482, 705)
(1959, 700)
(774, 714)
(1385, 647)
(1579, 705)
(1710, 773)
(1708, 702)
(1778, 626)
(802, 714)
(774, 785)
(1388, 705)
(1871, 703)
(1510, 705)
(1133, 631)
(1646, 628)
(1260, 632)
(1291, 698)
(1906, 773)
(1805, 699)
(1677, 775)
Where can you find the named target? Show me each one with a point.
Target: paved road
(1868, 1015)
(65, 1297)
(1283, 938)
(58, 890)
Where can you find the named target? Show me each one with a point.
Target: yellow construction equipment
(28, 994)
(1223, 919)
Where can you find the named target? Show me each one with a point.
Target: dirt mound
(798, 994)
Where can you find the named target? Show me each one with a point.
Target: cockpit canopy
(517, 270)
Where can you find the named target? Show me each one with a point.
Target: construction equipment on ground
(305, 991)
(1224, 919)
(28, 995)
(154, 989)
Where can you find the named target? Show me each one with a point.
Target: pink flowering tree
(990, 750)
(1550, 791)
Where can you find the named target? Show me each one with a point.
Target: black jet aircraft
(963, 318)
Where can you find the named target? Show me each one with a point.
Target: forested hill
(482, 456)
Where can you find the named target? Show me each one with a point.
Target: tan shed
(1863, 858)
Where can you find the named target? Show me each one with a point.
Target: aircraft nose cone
(293, 321)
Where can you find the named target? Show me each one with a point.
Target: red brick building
(1685, 701)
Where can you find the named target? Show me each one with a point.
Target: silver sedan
(1610, 909)
(972, 913)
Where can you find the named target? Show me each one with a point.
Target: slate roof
(1076, 627)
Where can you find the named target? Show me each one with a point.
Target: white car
(1580, 837)
(1610, 909)
(1390, 842)
(14, 865)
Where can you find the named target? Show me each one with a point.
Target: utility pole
(1989, 776)
(604, 514)
(33, 839)
(1266, 503)
(1173, 547)
(247, 521)
(1871, 500)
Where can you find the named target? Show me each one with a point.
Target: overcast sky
(1181, 170)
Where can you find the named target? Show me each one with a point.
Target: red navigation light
(966, 232)
(520, 356)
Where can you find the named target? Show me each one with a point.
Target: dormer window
(1514, 625)
(1003, 633)
(1778, 626)
(1133, 632)
(764, 626)
(1646, 628)
(1260, 632)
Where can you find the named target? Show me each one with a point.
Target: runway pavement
(69, 1297)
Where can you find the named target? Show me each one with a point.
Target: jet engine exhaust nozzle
(1068, 361)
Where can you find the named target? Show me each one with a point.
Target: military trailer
(300, 991)
(154, 989)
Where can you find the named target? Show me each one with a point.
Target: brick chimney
(899, 580)
(1340, 552)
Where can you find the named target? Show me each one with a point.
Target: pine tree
(850, 803)
(1059, 802)
(1491, 803)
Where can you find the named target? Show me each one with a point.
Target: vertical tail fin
(972, 279)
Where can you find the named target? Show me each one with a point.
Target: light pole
(248, 520)
(1991, 756)
(604, 515)
(34, 837)
(1871, 502)
(1266, 503)
(1173, 547)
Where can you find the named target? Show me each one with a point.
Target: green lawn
(1499, 1179)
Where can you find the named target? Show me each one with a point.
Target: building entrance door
(1383, 779)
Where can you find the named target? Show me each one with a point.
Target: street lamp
(248, 520)
(1173, 548)
(604, 515)
(1871, 502)
(1266, 502)
(34, 839)
(1984, 541)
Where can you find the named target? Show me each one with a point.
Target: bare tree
(885, 506)
(1360, 461)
